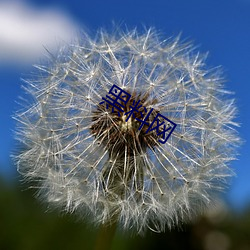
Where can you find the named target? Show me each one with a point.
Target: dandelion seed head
(88, 158)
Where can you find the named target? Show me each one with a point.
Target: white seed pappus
(87, 160)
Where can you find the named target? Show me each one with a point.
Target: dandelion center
(117, 131)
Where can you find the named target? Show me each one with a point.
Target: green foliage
(25, 226)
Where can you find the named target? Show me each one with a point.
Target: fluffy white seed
(70, 149)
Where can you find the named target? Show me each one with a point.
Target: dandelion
(87, 157)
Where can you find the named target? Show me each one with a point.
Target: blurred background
(29, 28)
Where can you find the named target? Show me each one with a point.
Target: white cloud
(25, 31)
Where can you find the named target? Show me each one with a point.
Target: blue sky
(221, 27)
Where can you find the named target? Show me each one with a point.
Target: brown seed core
(115, 133)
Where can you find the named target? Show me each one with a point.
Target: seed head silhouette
(88, 157)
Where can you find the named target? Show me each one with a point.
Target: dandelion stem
(105, 236)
